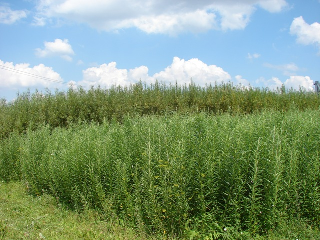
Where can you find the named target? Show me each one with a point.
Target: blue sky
(56, 44)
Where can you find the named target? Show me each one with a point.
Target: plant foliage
(194, 176)
(62, 109)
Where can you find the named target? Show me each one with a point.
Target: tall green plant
(62, 109)
(188, 175)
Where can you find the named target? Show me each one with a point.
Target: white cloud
(157, 16)
(198, 21)
(273, 5)
(253, 56)
(106, 75)
(8, 16)
(59, 47)
(294, 82)
(183, 71)
(180, 71)
(235, 16)
(273, 83)
(287, 69)
(140, 73)
(39, 21)
(306, 34)
(242, 82)
(22, 75)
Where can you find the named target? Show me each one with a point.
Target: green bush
(190, 175)
(96, 105)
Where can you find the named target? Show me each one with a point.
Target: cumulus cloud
(140, 73)
(287, 69)
(273, 5)
(183, 71)
(106, 75)
(8, 16)
(16, 76)
(59, 47)
(294, 82)
(180, 71)
(306, 34)
(242, 82)
(234, 16)
(157, 16)
(198, 21)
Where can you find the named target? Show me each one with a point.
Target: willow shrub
(63, 109)
(195, 175)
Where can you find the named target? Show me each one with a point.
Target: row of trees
(60, 109)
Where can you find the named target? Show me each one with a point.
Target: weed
(243, 173)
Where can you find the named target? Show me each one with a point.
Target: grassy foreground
(25, 217)
(193, 177)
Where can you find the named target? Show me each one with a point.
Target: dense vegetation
(23, 216)
(214, 162)
(97, 105)
(187, 175)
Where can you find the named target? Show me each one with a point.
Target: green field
(188, 173)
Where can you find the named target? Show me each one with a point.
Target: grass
(26, 217)
(194, 176)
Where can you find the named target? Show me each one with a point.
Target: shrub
(183, 174)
